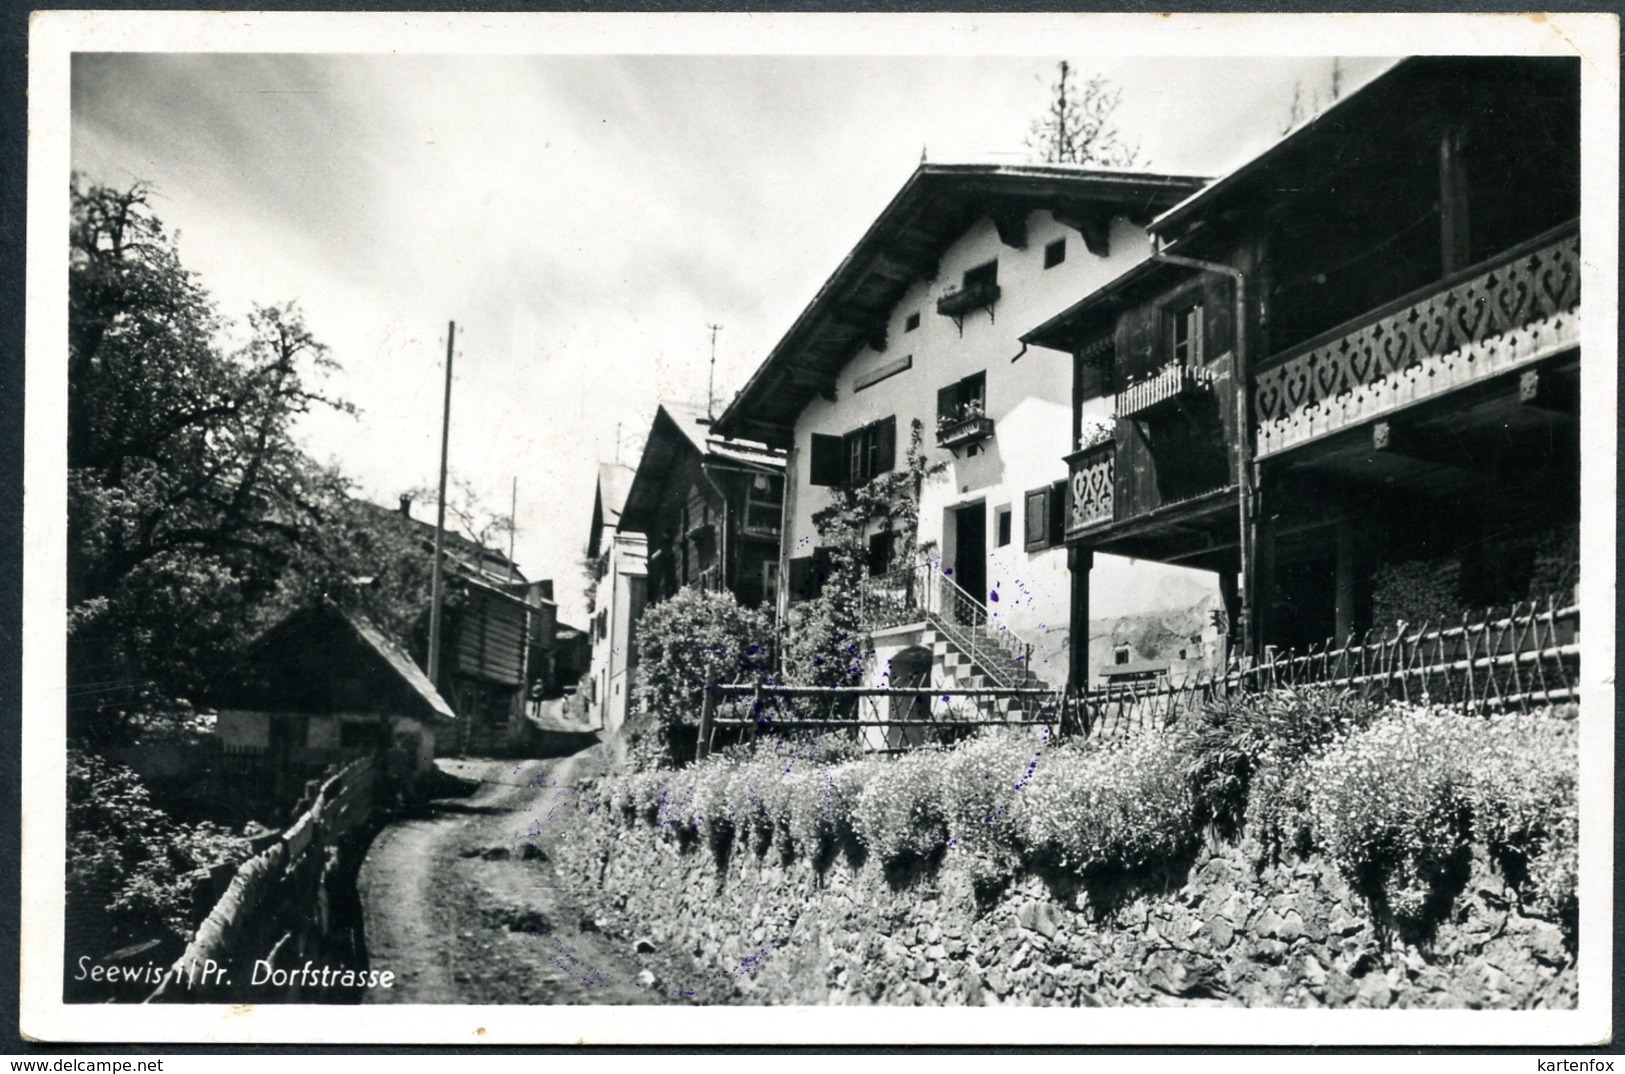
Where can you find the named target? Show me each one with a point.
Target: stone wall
(1213, 930)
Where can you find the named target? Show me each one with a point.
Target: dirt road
(463, 910)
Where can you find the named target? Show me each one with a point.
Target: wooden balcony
(1498, 316)
(1089, 495)
(1161, 389)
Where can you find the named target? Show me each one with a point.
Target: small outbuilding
(322, 687)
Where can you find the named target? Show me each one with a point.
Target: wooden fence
(1523, 659)
(272, 904)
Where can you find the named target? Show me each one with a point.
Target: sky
(583, 220)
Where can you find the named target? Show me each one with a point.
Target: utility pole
(711, 381)
(513, 516)
(437, 586)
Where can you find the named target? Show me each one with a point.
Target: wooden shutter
(801, 583)
(1037, 535)
(947, 400)
(828, 458)
(885, 434)
(1057, 514)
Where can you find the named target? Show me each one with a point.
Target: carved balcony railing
(1160, 389)
(1514, 309)
(1089, 487)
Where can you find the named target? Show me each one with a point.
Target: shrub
(1391, 805)
(1247, 753)
(1122, 807)
(899, 813)
(687, 643)
(1525, 800)
(131, 861)
(981, 781)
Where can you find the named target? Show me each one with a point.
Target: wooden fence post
(702, 748)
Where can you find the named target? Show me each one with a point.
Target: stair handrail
(977, 640)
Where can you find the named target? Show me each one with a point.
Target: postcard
(957, 529)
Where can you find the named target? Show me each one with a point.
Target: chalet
(321, 687)
(620, 591)
(908, 350)
(1347, 380)
(708, 507)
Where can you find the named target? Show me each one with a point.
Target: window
(1002, 521)
(1185, 336)
(1120, 654)
(982, 274)
(880, 552)
(1055, 253)
(1046, 517)
(1182, 655)
(912, 322)
(763, 502)
(962, 401)
(855, 458)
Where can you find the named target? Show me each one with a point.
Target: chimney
(406, 505)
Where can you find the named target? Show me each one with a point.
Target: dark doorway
(909, 668)
(970, 551)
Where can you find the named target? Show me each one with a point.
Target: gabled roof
(681, 430)
(609, 496)
(1415, 86)
(1075, 325)
(327, 659)
(902, 246)
(463, 555)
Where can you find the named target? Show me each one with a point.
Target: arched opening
(909, 669)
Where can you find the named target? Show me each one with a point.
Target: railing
(1518, 661)
(964, 430)
(273, 897)
(1089, 496)
(1514, 309)
(1165, 385)
(925, 592)
(939, 716)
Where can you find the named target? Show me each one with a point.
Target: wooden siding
(491, 638)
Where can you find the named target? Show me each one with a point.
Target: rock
(1375, 991)
(1220, 932)
(999, 981)
(1291, 926)
(924, 970)
(1269, 924)
(936, 952)
(1313, 972)
(647, 979)
(1268, 951)
(532, 852)
(644, 946)
(589, 924)
(971, 988)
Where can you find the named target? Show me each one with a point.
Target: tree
(188, 497)
(1306, 104)
(824, 647)
(1077, 127)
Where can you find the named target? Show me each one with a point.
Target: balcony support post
(1246, 476)
(1082, 561)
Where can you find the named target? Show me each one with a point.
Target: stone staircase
(967, 656)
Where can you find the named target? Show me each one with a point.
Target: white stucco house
(921, 323)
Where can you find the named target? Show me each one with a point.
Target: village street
(463, 910)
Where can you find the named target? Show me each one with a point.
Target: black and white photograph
(875, 519)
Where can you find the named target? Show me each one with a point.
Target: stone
(956, 947)
(1269, 924)
(590, 924)
(972, 990)
(1375, 991)
(936, 952)
(1314, 972)
(647, 979)
(924, 970)
(1291, 926)
(1220, 931)
(999, 981)
(1267, 951)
